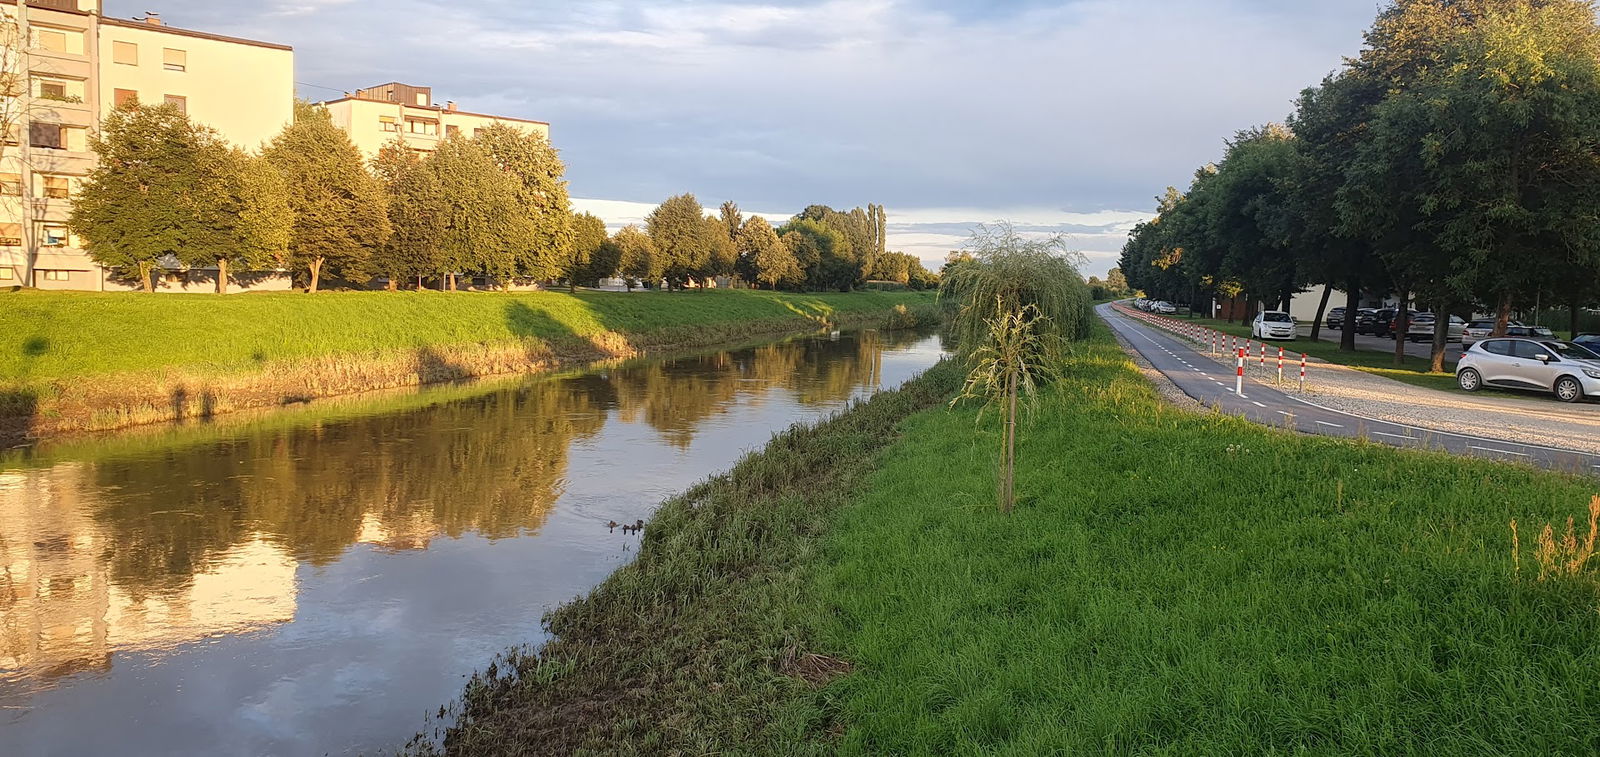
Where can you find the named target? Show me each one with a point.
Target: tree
(147, 160)
(588, 234)
(542, 195)
(1116, 282)
(722, 252)
(341, 212)
(242, 217)
(765, 257)
(677, 227)
(823, 253)
(487, 228)
(638, 260)
(732, 220)
(417, 215)
(1019, 301)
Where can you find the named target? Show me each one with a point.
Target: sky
(1059, 117)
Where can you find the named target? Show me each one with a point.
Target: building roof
(435, 108)
(149, 27)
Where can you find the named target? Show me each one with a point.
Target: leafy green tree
(722, 251)
(732, 220)
(1116, 282)
(824, 255)
(588, 235)
(638, 260)
(487, 228)
(341, 212)
(243, 219)
(678, 228)
(765, 257)
(417, 216)
(542, 194)
(146, 161)
(603, 264)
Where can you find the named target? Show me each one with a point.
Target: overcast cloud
(1067, 116)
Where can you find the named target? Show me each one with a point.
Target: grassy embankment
(82, 361)
(1414, 370)
(1170, 582)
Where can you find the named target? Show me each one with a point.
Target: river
(319, 584)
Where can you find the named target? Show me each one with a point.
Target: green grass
(1183, 583)
(46, 336)
(1171, 582)
(1414, 370)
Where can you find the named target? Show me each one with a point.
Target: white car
(1273, 324)
(1163, 307)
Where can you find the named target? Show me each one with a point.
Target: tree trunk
(1402, 329)
(148, 285)
(1572, 321)
(451, 278)
(1322, 307)
(1502, 315)
(316, 274)
(1352, 303)
(1007, 455)
(1441, 337)
(222, 276)
(393, 286)
(419, 283)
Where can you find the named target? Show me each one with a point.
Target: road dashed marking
(1502, 451)
(1325, 423)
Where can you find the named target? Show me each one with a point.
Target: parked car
(1163, 307)
(1273, 324)
(1421, 328)
(1479, 330)
(1532, 332)
(1570, 372)
(1381, 324)
(1142, 303)
(1335, 318)
(1588, 340)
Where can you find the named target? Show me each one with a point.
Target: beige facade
(81, 67)
(377, 116)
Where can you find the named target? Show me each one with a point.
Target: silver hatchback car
(1569, 371)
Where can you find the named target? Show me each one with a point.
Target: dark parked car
(1336, 318)
(1591, 341)
(1382, 322)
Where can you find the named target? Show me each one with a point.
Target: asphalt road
(1212, 385)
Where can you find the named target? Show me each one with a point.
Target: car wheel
(1469, 380)
(1568, 389)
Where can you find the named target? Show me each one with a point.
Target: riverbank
(73, 361)
(1171, 580)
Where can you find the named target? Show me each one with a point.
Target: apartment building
(377, 116)
(80, 66)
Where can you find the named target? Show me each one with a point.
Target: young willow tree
(1020, 301)
(341, 212)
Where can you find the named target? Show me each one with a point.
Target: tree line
(494, 205)
(1454, 162)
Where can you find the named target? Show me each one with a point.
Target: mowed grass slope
(1186, 583)
(53, 335)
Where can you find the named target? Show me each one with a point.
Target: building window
(422, 99)
(388, 123)
(7, 273)
(53, 235)
(57, 275)
(47, 136)
(53, 90)
(125, 97)
(422, 126)
(50, 39)
(174, 60)
(11, 184)
(477, 133)
(451, 130)
(180, 102)
(126, 53)
(57, 187)
(10, 235)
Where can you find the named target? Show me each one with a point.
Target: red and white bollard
(1302, 371)
(1263, 361)
(1238, 376)
(1280, 366)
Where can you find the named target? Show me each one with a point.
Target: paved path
(1212, 385)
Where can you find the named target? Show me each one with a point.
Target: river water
(320, 584)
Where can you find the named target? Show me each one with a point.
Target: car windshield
(1571, 351)
(1275, 317)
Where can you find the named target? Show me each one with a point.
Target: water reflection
(261, 542)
